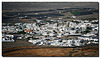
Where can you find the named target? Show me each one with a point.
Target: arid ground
(22, 48)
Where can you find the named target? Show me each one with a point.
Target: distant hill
(26, 6)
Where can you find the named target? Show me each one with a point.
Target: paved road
(18, 43)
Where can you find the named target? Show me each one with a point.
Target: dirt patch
(21, 48)
(49, 52)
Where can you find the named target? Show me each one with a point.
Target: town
(53, 32)
(50, 29)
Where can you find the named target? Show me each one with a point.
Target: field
(22, 48)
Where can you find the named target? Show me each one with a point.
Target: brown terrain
(22, 48)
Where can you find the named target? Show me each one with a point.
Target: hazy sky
(46, 5)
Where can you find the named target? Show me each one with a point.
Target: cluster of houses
(7, 38)
(57, 42)
(55, 32)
